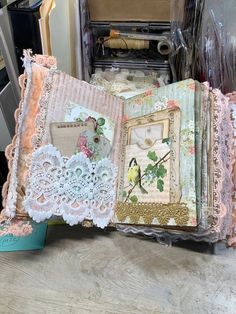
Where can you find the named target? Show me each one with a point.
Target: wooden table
(93, 271)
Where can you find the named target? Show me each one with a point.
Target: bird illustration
(134, 175)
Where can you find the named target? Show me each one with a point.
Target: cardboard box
(129, 10)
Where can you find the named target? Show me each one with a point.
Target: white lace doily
(74, 188)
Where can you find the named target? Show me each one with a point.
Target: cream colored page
(65, 136)
(62, 42)
(78, 42)
(73, 6)
(46, 7)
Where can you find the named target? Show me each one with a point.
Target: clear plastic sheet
(205, 42)
(186, 18)
(216, 58)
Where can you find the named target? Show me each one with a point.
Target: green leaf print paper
(178, 95)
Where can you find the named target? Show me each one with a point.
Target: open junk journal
(157, 163)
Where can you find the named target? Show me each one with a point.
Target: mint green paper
(183, 95)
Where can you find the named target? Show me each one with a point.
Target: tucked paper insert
(65, 135)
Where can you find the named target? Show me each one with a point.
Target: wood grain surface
(92, 271)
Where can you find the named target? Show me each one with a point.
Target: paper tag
(65, 135)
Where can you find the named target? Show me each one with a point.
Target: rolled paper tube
(164, 47)
(126, 43)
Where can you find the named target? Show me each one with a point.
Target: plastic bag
(205, 40)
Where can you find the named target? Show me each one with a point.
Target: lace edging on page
(9, 191)
(74, 188)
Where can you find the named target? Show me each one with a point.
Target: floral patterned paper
(182, 95)
(18, 228)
